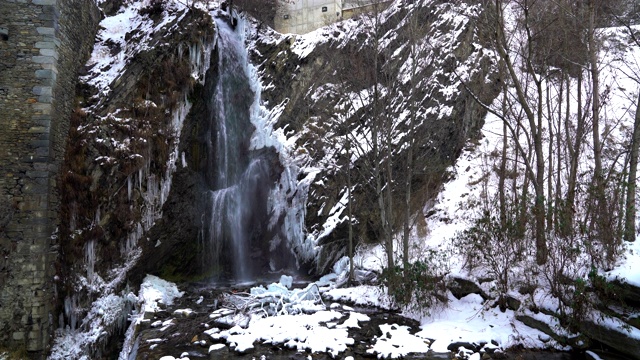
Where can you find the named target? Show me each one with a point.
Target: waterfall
(237, 178)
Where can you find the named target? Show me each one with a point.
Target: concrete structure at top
(303, 16)
(43, 44)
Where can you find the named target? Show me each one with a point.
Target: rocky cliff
(121, 156)
(420, 56)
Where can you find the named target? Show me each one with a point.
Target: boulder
(542, 326)
(625, 340)
(629, 293)
(460, 288)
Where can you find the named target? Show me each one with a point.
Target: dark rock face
(118, 167)
(312, 89)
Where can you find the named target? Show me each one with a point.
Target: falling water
(235, 175)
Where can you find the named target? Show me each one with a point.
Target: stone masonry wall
(43, 43)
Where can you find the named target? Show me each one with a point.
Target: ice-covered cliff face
(330, 88)
(121, 157)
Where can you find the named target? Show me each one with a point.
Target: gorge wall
(321, 85)
(43, 43)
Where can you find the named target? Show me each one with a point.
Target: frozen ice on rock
(341, 266)
(286, 281)
(155, 291)
(326, 280)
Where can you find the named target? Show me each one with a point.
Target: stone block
(45, 45)
(43, 109)
(42, 153)
(49, 52)
(47, 15)
(35, 189)
(38, 174)
(43, 136)
(41, 120)
(52, 66)
(37, 158)
(44, 2)
(18, 336)
(43, 59)
(45, 99)
(38, 129)
(42, 90)
(35, 341)
(46, 30)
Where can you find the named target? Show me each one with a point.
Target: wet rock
(460, 288)
(542, 326)
(613, 336)
(453, 347)
(512, 303)
(628, 293)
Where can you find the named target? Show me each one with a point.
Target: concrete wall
(303, 16)
(357, 7)
(43, 43)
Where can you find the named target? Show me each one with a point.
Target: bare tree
(630, 205)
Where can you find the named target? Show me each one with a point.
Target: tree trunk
(350, 209)
(600, 217)
(630, 216)
(574, 152)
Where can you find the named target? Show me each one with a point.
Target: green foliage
(591, 292)
(494, 245)
(421, 285)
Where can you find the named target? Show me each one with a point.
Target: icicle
(90, 260)
(129, 187)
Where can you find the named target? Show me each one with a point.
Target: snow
(396, 341)
(364, 295)
(216, 347)
(301, 332)
(628, 269)
(469, 320)
(593, 356)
